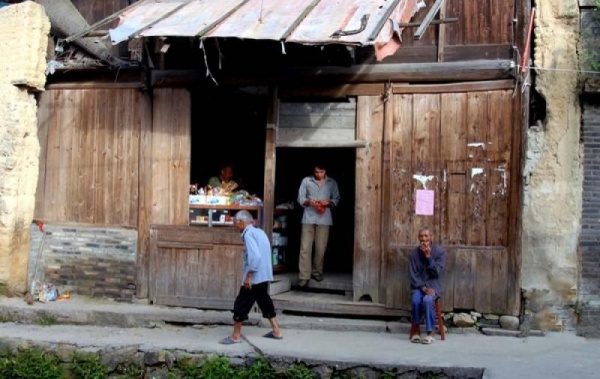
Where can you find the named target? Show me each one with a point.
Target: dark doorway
(292, 165)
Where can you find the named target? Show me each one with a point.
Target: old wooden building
(437, 121)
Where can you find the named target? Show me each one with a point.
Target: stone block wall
(589, 243)
(24, 32)
(90, 261)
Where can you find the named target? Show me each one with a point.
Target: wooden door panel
(196, 266)
(462, 142)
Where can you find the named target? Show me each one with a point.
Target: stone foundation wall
(552, 176)
(91, 261)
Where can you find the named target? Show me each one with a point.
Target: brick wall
(589, 243)
(91, 261)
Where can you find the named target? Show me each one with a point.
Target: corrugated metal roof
(361, 22)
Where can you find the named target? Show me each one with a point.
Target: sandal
(415, 338)
(428, 340)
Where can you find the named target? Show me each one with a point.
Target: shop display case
(221, 215)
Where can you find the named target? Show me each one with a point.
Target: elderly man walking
(257, 273)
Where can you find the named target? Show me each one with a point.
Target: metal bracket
(363, 24)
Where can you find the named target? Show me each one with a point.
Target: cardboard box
(197, 199)
(217, 200)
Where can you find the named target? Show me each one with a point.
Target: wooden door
(461, 146)
(195, 266)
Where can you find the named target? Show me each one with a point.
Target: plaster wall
(553, 172)
(24, 32)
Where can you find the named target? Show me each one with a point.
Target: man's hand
(429, 291)
(248, 281)
(426, 249)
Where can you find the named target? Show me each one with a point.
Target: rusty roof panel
(358, 22)
(345, 15)
(262, 19)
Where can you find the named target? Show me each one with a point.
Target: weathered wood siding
(195, 267)
(367, 225)
(316, 123)
(460, 145)
(90, 146)
(484, 30)
(169, 172)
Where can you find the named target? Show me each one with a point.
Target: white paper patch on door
(424, 202)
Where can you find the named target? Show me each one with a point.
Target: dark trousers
(259, 294)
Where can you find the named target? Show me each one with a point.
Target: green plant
(388, 375)
(188, 368)
(31, 364)
(6, 317)
(130, 370)
(88, 366)
(46, 319)
(217, 368)
(260, 369)
(299, 372)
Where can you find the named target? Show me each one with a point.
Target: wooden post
(270, 154)
(145, 197)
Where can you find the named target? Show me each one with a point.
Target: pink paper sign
(424, 203)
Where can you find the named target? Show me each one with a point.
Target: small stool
(414, 328)
(440, 319)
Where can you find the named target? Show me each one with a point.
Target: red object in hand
(320, 208)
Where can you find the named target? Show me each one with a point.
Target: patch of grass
(31, 364)
(260, 369)
(46, 319)
(299, 372)
(88, 366)
(130, 371)
(6, 317)
(217, 368)
(188, 368)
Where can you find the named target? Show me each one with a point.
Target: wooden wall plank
(425, 156)
(449, 279)
(171, 156)
(401, 188)
(453, 143)
(464, 278)
(88, 160)
(118, 150)
(456, 31)
(455, 223)
(483, 282)
(500, 279)
(270, 160)
(145, 190)
(397, 288)
(477, 137)
(499, 148)
(44, 119)
(181, 156)
(367, 244)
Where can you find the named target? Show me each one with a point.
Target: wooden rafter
(428, 19)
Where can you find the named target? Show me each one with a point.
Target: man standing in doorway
(317, 194)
